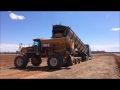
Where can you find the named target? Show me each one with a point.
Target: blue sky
(99, 29)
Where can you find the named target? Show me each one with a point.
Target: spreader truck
(63, 49)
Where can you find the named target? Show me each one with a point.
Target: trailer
(60, 31)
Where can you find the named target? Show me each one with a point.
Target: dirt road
(100, 67)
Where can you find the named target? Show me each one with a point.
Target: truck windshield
(36, 43)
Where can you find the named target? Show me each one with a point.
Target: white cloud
(115, 29)
(9, 47)
(108, 16)
(108, 48)
(15, 16)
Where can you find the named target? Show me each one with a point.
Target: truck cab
(89, 51)
(37, 45)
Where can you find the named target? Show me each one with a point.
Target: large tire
(68, 62)
(54, 61)
(36, 61)
(20, 62)
(83, 58)
(78, 60)
(75, 61)
(26, 56)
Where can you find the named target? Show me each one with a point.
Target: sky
(99, 29)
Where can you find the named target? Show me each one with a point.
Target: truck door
(37, 45)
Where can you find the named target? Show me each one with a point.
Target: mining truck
(63, 49)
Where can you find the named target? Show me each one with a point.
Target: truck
(63, 49)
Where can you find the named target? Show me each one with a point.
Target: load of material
(63, 49)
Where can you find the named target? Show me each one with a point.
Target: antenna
(20, 46)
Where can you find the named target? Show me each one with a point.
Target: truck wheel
(36, 61)
(67, 62)
(54, 61)
(83, 58)
(78, 60)
(20, 62)
(75, 61)
(26, 56)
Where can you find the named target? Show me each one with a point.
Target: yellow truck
(62, 50)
